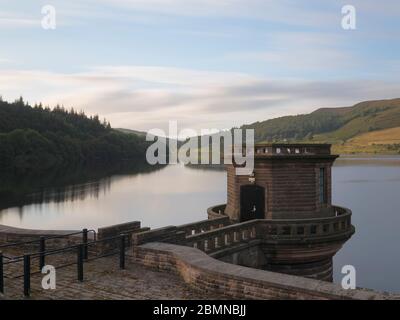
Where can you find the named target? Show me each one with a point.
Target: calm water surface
(176, 195)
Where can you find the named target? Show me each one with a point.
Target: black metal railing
(82, 256)
(84, 233)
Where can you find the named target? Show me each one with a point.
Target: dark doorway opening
(252, 202)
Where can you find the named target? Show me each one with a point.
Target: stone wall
(60, 238)
(248, 255)
(210, 275)
(114, 231)
(64, 238)
(178, 234)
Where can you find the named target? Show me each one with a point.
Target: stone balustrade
(292, 149)
(303, 229)
(204, 225)
(224, 237)
(178, 234)
(217, 234)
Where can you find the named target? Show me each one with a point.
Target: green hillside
(332, 125)
(365, 117)
(37, 137)
(130, 131)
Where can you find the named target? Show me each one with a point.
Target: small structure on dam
(279, 218)
(289, 194)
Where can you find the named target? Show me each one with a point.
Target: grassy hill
(339, 126)
(385, 141)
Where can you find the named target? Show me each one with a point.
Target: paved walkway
(103, 280)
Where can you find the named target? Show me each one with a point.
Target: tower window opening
(322, 185)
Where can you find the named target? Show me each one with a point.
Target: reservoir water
(175, 194)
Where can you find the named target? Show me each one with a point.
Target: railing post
(85, 240)
(80, 262)
(27, 275)
(42, 249)
(122, 252)
(1, 273)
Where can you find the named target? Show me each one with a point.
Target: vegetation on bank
(385, 141)
(354, 129)
(37, 137)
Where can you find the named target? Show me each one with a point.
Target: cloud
(142, 98)
(292, 52)
(17, 20)
(287, 12)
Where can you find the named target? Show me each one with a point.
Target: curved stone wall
(302, 247)
(14, 235)
(210, 275)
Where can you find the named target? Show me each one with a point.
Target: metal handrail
(55, 251)
(82, 255)
(8, 245)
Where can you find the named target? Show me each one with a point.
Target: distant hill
(130, 131)
(331, 123)
(144, 134)
(385, 141)
(34, 137)
(335, 125)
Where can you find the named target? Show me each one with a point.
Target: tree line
(38, 137)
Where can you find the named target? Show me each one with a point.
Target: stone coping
(337, 211)
(21, 234)
(198, 261)
(33, 232)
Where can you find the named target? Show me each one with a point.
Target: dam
(274, 238)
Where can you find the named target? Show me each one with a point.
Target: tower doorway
(252, 202)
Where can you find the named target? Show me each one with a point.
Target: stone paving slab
(103, 280)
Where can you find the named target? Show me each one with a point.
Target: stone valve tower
(290, 194)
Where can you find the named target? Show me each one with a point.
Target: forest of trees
(37, 137)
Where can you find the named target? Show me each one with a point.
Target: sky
(208, 64)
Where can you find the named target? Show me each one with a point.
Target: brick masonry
(291, 187)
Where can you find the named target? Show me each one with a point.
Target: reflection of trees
(67, 185)
(206, 167)
(72, 192)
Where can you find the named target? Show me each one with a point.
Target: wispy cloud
(18, 20)
(142, 98)
(294, 51)
(284, 11)
(205, 63)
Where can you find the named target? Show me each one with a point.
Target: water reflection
(65, 185)
(97, 197)
(369, 161)
(81, 197)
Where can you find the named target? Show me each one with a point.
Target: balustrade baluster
(221, 241)
(201, 245)
(211, 244)
(239, 235)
